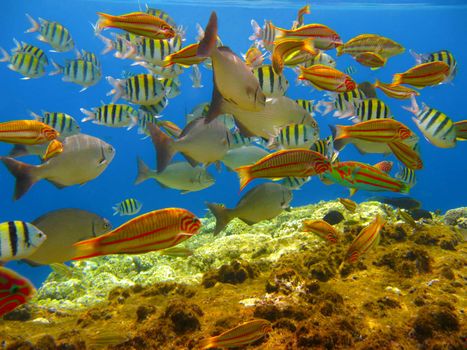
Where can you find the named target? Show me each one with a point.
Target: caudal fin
(244, 175)
(163, 145)
(23, 174)
(18, 151)
(35, 25)
(87, 249)
(337, 132)
(397, 79)
(143, 171)
(222, 215)
(208, 43)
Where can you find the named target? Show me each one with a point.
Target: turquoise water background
(421, 26)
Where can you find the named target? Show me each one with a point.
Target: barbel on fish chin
(84, 158)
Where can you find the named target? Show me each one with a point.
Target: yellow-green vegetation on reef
(406, 293)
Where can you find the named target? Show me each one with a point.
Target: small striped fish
(307, 105)
(112, 115)
(162, 15)
(305, 10)
(19, 239)
(436, 126)
(15, 290)
(156, 230)
(25, 64)
(294, 136)
(185, 57)
(238, 140)
(371, 109)
(294, 183)
(461, 130)
(54, 148)
(422, 75)
(272, 84)
(291, 52)
(367, 238)
(322, 58)
(264, 36)
(90, 57)
(153, 51)
(342, 103)
(79, 71)
(324, 38)
(129, 206)
(323, 146)
(172, 87)
(156, 109)
(52, 33)
(322, 229)
(439, 56)
(285, 163)
(407, 175)
(244, 334)
(408, 155)
(327, 78)
(142, 89)
(30, 49)
(380, 45)
(396, 91)
(124, 48)
(348, 204)
(64, 123)
(26, 132)
(370, 59)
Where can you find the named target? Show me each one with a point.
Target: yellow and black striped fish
(162, 15)
(113, 115)
(172, 87)
(144, 89)
(53, 33)
(155, 109)
(294, 136)
(31, 49)
(438, 56)
(129, 206)
(341, 103)
(294, 183)
(64, 123)
(24, 63)
(307, 105)
(153, 51)
(19, 239)
(407, 175)
(272, 84)
(90, 57)
(371, 109)
(80, 72)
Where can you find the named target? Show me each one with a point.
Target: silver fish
(244, 155)
(263, 202)
(179, 176)
(196, 77)
(65, 227)
(84, 157)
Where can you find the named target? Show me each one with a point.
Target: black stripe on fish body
(53, 26)
(27, 237)
(137, 90)
(85, 70)
(434, 115)
(296, 130)
(423, 115)
(13, 235)
(271, 78)
(129, 88)
(438, 130)
(113, 114)
(287, 135)
(260, 77)
(146, 86)
(162, 48)
(63, 123)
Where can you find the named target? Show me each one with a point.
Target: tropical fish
(327, 78)
(138, 23)
(179, 252)
(30, 49)
(307, 105)
(112, 115)
(254, 57)
(241, 156)
(264, 36)
(153, 51)
(124, 48)
(361, 176)
(155, 230)
(165, 72)
(342, 103)
(348, 204)
(384, 166)
(418, 214)
(407, 175)
(333, 217)
(461, 130)
(438, 56)
(18, 240)
(84, 157)
(371, 109)
(184, 57)
(90, 57)
(130, 206)
(171, 87)
(322, 229)
(65, 227)
(54, 148)
(142, 89)
(79, 71)
(238, 140)
(52, 33)
(294, 183)
(305, 10)
(162, 15)
(262, 202)
(324, 38)
(286, 50)
(271, 83)
(374, 43)
(27, 132)
(145, 118)
(202, 110)
(241, 335)
(15, 290)
(26, 64)
(399, 202)
(294, 136)
(396, 91)
(199, 143)
(64, 123)
(422, 75)
(368, 238)
(323, 146)
(407, 154)
(196, 77)
(155, 109)
(436, 126)
(370, 59)
(407, 218)
(233, 79)
(368, 89)
(322, 58)
(294, 162)
(179, 176)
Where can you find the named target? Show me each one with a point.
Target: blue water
(421, 26)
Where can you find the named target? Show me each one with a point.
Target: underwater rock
(46, 342)
(144, 311)
(434, 318)
(457, 217)
(234, 273)
(169, 288)
(407, 261)
(283, 281)
(22, 313)
(183, 316)
(20, 345)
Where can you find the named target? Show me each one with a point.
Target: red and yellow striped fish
(461, 130)
(348, 204)
(292, 162)
(367, 238)
(139, 23)
(286, 51)
(27, 132)
(396, 91)
(385, 165)
(322, 229)
(243, 334)
(156, 230)
(54, 148)
(324, 38)
(422, 75)
(327, 78)
(406, 154)
(370, 59)
(185, 57)
(15, 290)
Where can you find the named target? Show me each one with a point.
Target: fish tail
(35, 26)
(257, 31)
(414, 108)
(405, 188)
(143, 171)
(5, 56)
(209, 41)
(105, 20)
(163, 145)
(117, 88)
(338, 136)
(222, 215)
(109, 45)
(18, 151)
(116, 210)
(23, 174)
(376, 83)
(417, 56)
(58, 69)
(397, 79)
(309, 47)
(87, 249)
(244, 175)
(339, 51)
(89, 115)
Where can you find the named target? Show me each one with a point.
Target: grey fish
(368, 89)
(199, 143)
(333, 217)
(179, 176)
(244, 155)
(84, 157)
(263, 202)
(399, 202)
(233, 79)
(65, 227)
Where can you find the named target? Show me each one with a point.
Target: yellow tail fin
(244, 175)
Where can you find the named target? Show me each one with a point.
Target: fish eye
(110, 149)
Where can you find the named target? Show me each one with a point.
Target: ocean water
(423, 26)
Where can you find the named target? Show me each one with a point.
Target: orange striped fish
(292, 162)
(286, 51)
(370, 59)
(139, 23)
(156, 230)
(406, 154)
(348, 204)
(243, 334)
(385, 166)
(422, 75)
(27, 132)
(461, 130)
(396, 91)
(324, 38)
(327, 78)
(322, 229)
(54, 148)
(185, 57)
(380, 45)
(367, 238)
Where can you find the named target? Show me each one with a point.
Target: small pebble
(430, 283)
(41, 320)
(394, 290)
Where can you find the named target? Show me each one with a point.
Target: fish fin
(116, 211)
(352, 191)
(413, 108)
(397, 79)
(58, 185)
(109, 45)
(337, 131)
(222, 215)
(58, 69)
(248, 222)
(89, 115)
(243, 129)
(143, 171)
(215, 107)
(163, 145)
(117, 88)
(417, 56)
(244, 175)
(18, 151)
(190, 160)
(31, 263)
(208, 43)
(88, 248)
(5, 56)
(23, 173)
(35, 26)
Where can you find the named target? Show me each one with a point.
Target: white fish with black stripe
(130, 206)
(18, 240)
